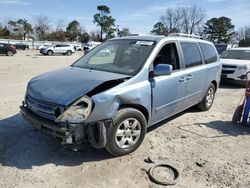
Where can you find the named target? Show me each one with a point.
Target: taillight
(12, 46)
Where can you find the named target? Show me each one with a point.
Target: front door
(168, 91)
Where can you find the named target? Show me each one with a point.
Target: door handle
(182, 79)
(189, 77)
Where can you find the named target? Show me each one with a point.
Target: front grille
(43, 109)
(227, 71)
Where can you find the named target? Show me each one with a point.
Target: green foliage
(73, 30)
(159, 29)
(105, 21)
(4, 32)
(84, 37)
(21, 28)
(244, 42)
(219, 30)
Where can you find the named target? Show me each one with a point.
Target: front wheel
(50, 52)
(9, 53)
(127, 133)
(68, 52)
(208, 99)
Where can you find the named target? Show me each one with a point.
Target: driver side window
(168, 55)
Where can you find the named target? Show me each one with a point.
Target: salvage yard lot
(206, 147)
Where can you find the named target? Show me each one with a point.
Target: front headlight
(78, 112)
(243, 67)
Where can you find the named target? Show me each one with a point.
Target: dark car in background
(7, 49)
(21, 46)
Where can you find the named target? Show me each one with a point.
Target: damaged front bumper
(70, 134)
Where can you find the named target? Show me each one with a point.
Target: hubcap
(210, 97)
(128, 133)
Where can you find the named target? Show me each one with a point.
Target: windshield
(118, 56)
(236, 54)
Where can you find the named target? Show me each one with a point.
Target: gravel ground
(206, 147)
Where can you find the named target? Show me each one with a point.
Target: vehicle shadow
(215, 129)
(230, 84)
(221, 128)
(157, 125)
(24, 148)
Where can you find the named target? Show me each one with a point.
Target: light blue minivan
(109, 99)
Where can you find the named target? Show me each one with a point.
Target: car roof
(242, 48)
(158, 38)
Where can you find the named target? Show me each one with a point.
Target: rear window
(208, 52)
(191, 54)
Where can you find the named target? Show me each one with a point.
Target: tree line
(189, 20)
(42, 30)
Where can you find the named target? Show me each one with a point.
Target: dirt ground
(206, 147)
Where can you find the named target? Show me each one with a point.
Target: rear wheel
(50, 52)
(68, 52)
(128, 131)
(208, 99)
(9, 53)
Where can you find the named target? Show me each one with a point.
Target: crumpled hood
(235, 62)
(65, 85)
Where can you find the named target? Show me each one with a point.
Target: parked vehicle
(7, 49)
(65, 49)
(43, 46)
(21, 46)
(110, 101)
(235, 64)
(78, 47)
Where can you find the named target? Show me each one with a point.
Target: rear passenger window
(208, 52)
(191, 52)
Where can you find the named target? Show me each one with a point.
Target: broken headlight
(78, 112)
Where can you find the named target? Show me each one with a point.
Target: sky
(137, 15)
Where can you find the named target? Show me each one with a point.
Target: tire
(208, 99)
(68, 52)
(127, 133)
(9, 53)
(237, 115)
(50, 52)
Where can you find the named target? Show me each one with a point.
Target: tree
(95, 36)
(180, 19)
(193, 17)
(21, 28)
(84, 37)
(172, 19)
(42, 27)
(244, 36)
(73, 30)
(105, 21)
(159, 29)
(219, 30)
(4, 32)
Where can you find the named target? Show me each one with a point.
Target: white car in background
(65, 49)
(235, 64)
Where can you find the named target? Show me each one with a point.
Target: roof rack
(185, 35)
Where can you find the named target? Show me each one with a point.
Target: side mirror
(163, 69)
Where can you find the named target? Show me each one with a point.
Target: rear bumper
(66, 134)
